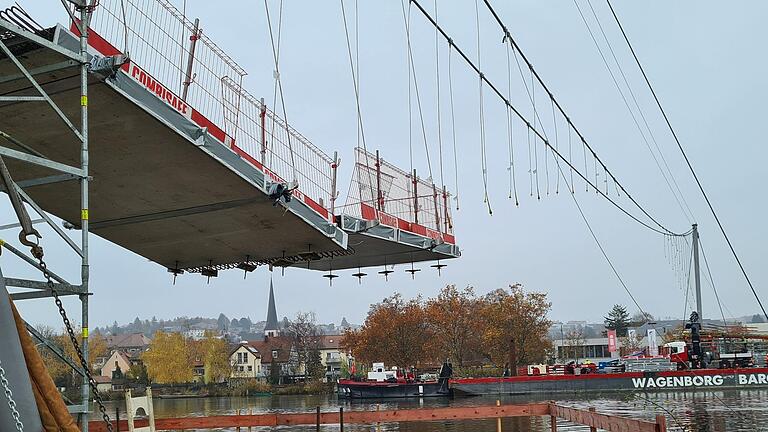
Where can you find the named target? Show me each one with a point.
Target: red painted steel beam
(583, 417)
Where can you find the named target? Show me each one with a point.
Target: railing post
(592, 428)
(498, 419)
(263, 117)
(379, 195)
(415, 198)
(334, 167)
(378, 423)
(117, 418)
(661, 423)
(191, 59)
(238, 428)
(437, 208)
(317, 422)
(341, 419)
(552, 416)
(445, 210)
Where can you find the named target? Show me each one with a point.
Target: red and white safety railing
(380, 190)
(173, 57)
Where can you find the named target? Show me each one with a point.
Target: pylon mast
(696, 272)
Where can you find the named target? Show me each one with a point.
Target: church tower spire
(271, 329)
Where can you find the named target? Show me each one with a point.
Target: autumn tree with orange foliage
(456, 325)
(515, 318)
(395, 332)
(57, 368)
(453, 317)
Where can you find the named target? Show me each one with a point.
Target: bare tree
(305, 338)
(575, 344)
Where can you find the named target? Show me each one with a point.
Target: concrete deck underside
(372, 251)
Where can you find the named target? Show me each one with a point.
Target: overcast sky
(705, 58)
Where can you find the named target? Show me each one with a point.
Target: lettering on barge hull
(701, 381)
(665, 381)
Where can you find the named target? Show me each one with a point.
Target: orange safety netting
(53, 412)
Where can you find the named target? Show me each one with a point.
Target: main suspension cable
(514, 44)
(688, 161)
(484, 78)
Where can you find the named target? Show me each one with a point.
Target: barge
(384, 384)
(682, 380)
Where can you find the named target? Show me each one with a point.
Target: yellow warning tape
(84, 214)
(84, 100)
(2, 242)
(85, 332)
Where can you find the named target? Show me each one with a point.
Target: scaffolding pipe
(84, 272)
(191, 58)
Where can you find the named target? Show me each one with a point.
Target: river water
(731, 411)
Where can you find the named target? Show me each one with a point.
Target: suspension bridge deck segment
(168, 183)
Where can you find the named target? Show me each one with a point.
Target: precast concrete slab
(163, 187)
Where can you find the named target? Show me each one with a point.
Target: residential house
(103, 383)
(246, 362)
(134, 343)
(198, 371)
(118, 360)
(332, 356)
(278, 352)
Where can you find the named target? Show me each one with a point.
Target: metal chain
(11, 402)
(37, 252)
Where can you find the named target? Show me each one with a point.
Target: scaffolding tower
(22, 83)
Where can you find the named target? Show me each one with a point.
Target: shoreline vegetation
(252, 389)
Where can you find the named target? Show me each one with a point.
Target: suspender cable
(570, 157)
(453, 122)
(661, 229)
(557, 146)
(565, 115)
(688, 161)
(280, 92)
(439, 119)
(360, 127)
(483, 158)
(275, 73)
(528, 91)
(667, 175)
(406, 19)
(599, 245)
(512, 181)
(535, 145)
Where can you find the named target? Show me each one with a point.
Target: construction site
(127, 122)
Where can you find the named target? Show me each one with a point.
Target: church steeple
(271, 329)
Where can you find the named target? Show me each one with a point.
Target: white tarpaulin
(653, 346)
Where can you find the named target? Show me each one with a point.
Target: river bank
(232, 389)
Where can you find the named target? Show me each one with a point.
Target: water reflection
(732, 411)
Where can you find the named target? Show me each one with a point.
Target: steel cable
(688, 162)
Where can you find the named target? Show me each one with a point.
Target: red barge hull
(686, 380)
(383, 390)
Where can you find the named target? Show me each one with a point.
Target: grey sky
(705, 58)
